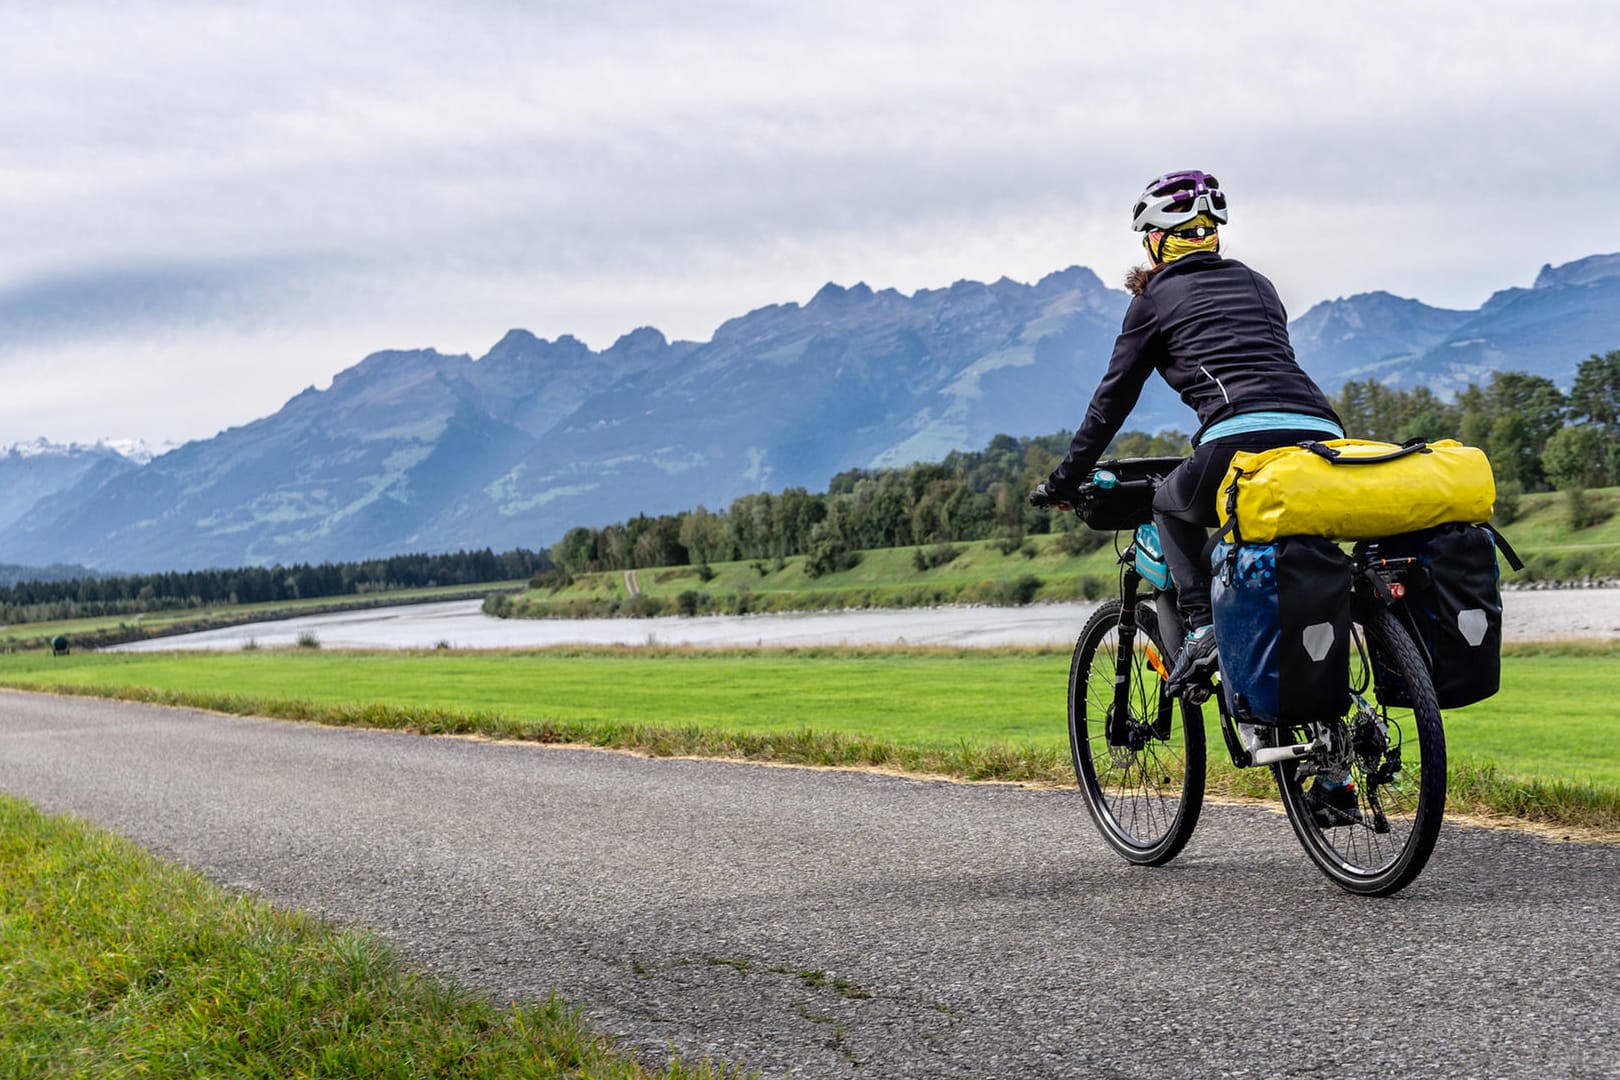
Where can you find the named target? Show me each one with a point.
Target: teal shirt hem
(1244, 423)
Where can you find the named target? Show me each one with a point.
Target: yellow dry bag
(1349, 489)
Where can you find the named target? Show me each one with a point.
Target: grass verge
(115, 964)
(1538, 752)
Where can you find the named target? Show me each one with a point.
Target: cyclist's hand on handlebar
(1046, 497)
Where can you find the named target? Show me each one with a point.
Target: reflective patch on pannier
(1317, 639)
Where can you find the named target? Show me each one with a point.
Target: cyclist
(1217, 332)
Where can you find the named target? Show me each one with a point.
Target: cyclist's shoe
(1333, 805)
(1194, 664)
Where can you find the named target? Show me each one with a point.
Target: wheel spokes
(1141, 784)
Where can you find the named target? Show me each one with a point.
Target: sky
(206, 208)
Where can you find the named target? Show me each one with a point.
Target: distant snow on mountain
(137, 450)
(37, 470)
(416, 450)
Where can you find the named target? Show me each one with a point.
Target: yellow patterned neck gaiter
(1199, 234)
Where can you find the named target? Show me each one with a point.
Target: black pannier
(1282, 620)
(1454, 600)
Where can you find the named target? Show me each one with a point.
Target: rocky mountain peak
(640, 340)
(394, 363)
(1580, 272)
(833, 296)
(513, 343)
(1074, 278)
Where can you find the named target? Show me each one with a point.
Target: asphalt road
(960, 930)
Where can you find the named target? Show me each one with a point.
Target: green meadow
(1542, 749)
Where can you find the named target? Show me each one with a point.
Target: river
(461, 624)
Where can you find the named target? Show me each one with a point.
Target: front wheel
(1368, 808)
(1145, 788)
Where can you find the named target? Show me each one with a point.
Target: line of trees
(971, 495)
(1536, 436)
(33, 601)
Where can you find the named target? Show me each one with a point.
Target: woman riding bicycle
(1217, 332)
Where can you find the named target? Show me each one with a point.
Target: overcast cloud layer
(206, 208)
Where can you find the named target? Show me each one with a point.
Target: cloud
(298, 184)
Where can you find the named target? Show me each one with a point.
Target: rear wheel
(1368, 808)
(1145, 790)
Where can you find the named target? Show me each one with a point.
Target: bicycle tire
(1144, 798)
(1396, 818)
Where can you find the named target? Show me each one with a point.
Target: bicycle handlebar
(1115, 490)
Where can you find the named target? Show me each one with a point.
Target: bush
(1022, 591)
(1028, 549)
(829, 556)
(760, 567)
(1094, 588)
(1011, 543)
(705, 572)
(498, 605)
(553, 579)
(643, 606)
(691, 602)
(1582, 511)
(1077, 542)
(1578, 456)
(938, 555)
(308, 640)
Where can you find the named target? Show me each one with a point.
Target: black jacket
(1218, 334)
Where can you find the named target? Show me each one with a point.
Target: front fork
(1118, 728)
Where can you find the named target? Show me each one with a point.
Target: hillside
(994, 572)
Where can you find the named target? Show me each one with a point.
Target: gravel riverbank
(1529, 615)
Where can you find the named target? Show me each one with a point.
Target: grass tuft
(114, 964)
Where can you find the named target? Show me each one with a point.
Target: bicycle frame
(1164, 601)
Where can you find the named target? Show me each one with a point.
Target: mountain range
(420, 451)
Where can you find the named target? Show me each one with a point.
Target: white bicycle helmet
(1176, 198)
